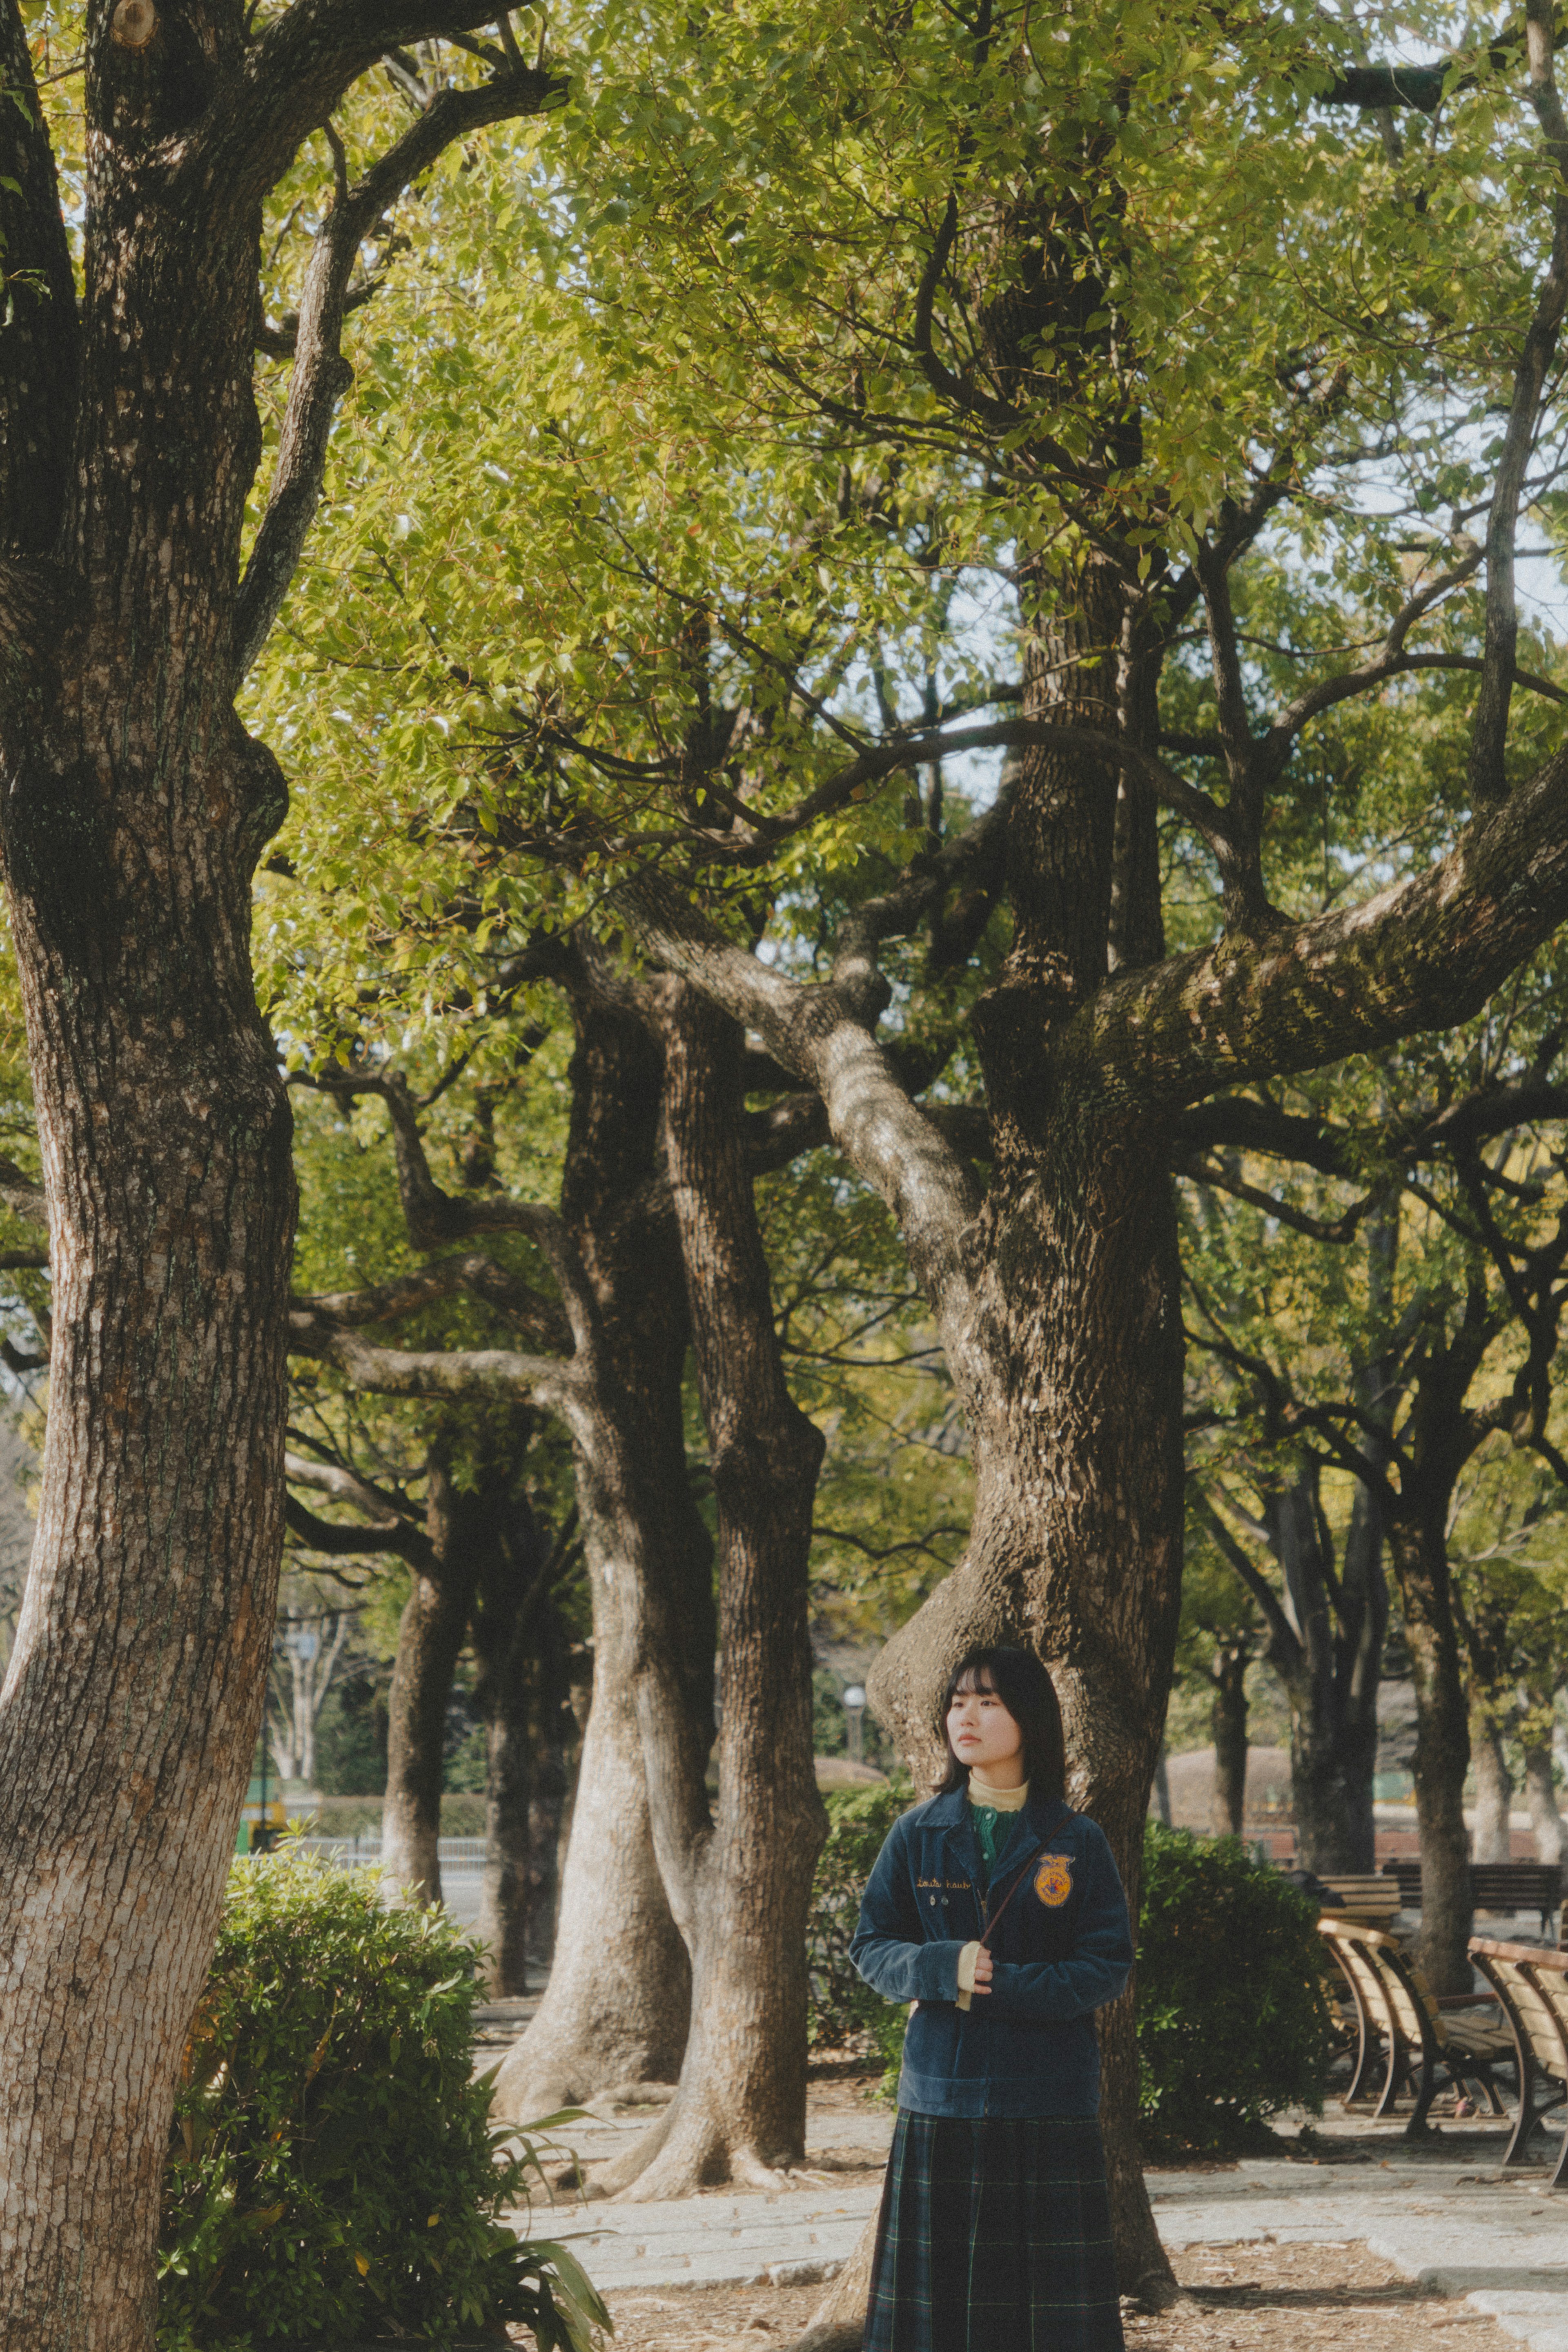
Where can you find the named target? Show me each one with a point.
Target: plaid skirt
(995, 2236)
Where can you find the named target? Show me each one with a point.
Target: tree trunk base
(687, 2150)
(837, 2323)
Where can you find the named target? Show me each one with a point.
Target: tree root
(636, 2095)
(1155, 2290)
(681, 2152)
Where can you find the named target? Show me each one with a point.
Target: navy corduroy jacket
(1063, 1949)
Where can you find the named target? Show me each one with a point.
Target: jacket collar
(1043, 1816)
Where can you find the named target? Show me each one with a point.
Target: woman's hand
(982, 1970)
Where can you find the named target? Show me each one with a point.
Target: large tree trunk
(1494, 1791)
(1541, 1796)
(740, 1884)
(1076, 1548)
(1227, 1715)
(1442, 1747)
(134, 806)
(1070, 1358)
(615, 2009)
(135, 1684)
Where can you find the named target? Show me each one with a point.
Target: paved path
(1494, 2238)
(1447, 2217)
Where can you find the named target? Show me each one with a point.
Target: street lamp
(854, 1708)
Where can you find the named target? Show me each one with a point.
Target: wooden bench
(1532, 1986)
(1367, 1899)
(1416, 2037)
(1494, 1886)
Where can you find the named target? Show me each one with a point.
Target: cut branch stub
(134, 25)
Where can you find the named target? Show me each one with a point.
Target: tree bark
(1162, 1790)
(1419, 1549)
(1330, 1660)
(615, 2008)
(739, 1880)
(133, 806)
(1071, 1352)
(556, 1739)
(1541, 1795)
(429, 1638)
(838, 2323)
(1493, 1840)
(507, 1604)
(1229, 1717)
(1076, 1544)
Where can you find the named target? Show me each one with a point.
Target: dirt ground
(1246, 2298)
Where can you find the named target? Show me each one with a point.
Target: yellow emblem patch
(1053, 1881)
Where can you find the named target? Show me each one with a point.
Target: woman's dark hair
(1027, 1693)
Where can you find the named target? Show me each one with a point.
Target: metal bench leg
(1418, 2126)
(1528, 2118)
(1399, 2067)
(1494, 2099)
(1366, 2050)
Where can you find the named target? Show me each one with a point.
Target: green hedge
(333, 2174)
(845, 2014)
(1234, 2019)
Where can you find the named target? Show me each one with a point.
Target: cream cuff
(966, 1959)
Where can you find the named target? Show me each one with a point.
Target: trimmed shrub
(1234, 2020)
(845, 2014)
(333, 2174)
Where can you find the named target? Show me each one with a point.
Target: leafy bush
(1233, 2017)
(845, 2014)
(333, 2174)
(887, 2034)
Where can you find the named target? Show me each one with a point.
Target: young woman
(997, 1911)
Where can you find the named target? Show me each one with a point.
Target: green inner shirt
(994, 1831)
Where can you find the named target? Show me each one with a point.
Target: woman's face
(983, 1733)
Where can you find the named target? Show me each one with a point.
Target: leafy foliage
(334, 2175)
(845, 2013)
(1233, 2017)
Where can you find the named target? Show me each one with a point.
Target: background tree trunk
(619, 1995)
(616, 2007)
(739, 1884)
(507, 1605)
(1541, 1795)
(556, 1739)
(1228, 1717)
(1494, 1791)
(429, 1638)
(1442, 1750)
